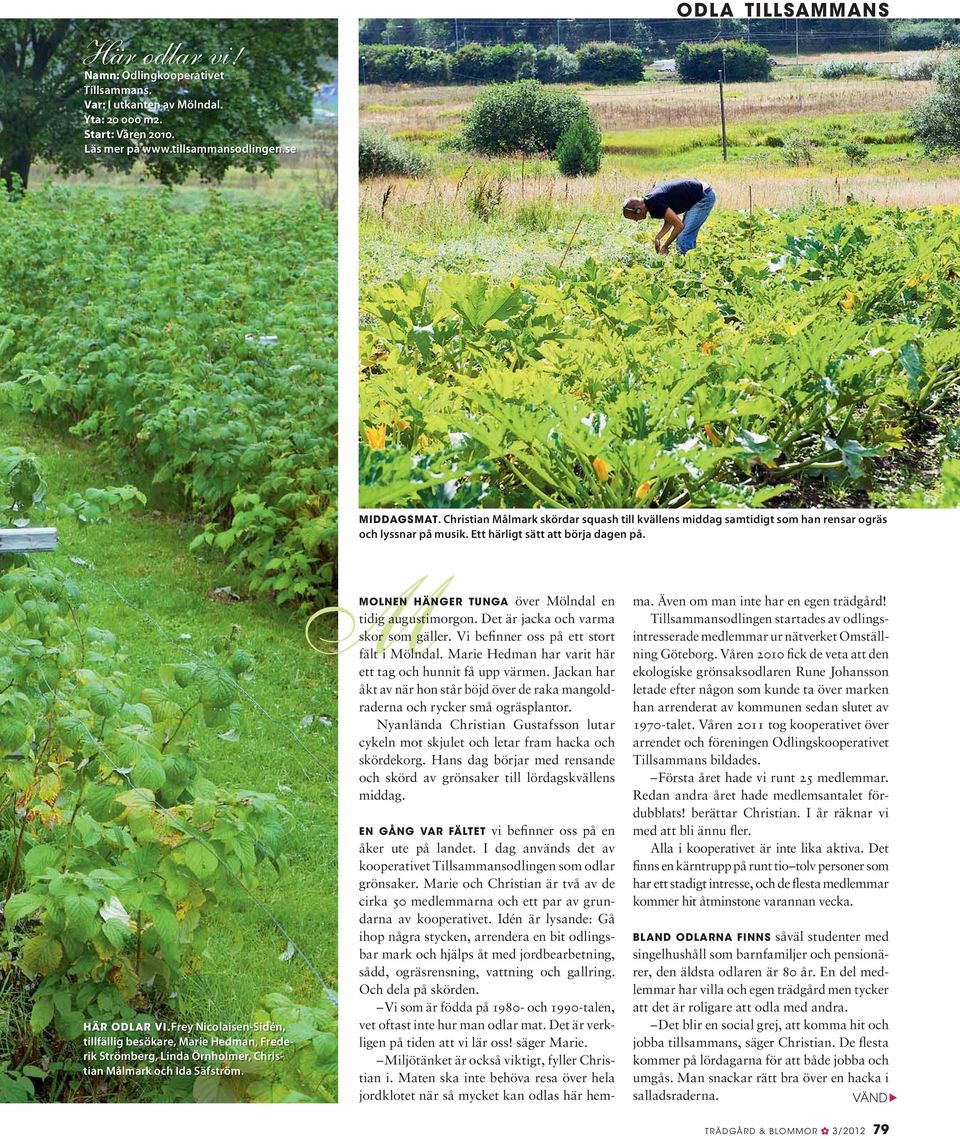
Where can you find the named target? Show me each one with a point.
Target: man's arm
(672, 223)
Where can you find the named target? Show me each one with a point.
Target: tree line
(655, 37)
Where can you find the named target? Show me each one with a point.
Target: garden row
(199, 349)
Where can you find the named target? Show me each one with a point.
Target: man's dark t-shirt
(678, 196)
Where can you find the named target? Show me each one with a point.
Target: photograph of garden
(530, 339)
(168, 353)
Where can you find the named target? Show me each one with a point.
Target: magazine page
(639, 674)
(645, 628)
(168, 494)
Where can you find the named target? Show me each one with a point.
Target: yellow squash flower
(601, 469)
(377, 437)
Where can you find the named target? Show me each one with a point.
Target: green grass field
(851, 142)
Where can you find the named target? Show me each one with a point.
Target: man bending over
(682, 205)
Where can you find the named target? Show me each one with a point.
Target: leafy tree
(498, 63)
(701, 63)
(398, 63)
(909, 35)
(610, 63)
(371, 31)
(42, 69)
(579, 150)
(435, 33)
(936, 120)
(520, 118)
(556, 65)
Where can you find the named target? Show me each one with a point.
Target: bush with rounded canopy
(610, 63)
(935, 122)
(520, 118)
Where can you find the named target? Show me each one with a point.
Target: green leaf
(81, 915)
(13, 732)
(240, 663)
(216, 1089)
(912, 365)
(148, 772)
(40, 858)
(42, 954)
(217, 687)
(165, 922)
(200, 859)
(101, 700)
(853, 455)
(20, 906)
(69, 1023)
(41, 1015)
(204, 812)
(117, 932)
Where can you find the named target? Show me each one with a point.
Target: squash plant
(115, 846)
(787, 349)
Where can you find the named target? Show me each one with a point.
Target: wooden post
(723, 117)
(29, 540)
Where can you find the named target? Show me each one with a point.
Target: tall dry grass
(653, 104)
(439, 206)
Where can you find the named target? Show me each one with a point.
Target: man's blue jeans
(693, 219)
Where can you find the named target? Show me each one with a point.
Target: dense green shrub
(212, 376)
(579, 150)
(798, 149)
(381, 155)
(936, 121)
(610, 63)
(520, 118)
(856, 153)
(907, 35)
(556, 65)
(116, 845)
(498, 63)
(702, 63)
(397, 63)
(843, 68)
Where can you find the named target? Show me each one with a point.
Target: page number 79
(881, 1128)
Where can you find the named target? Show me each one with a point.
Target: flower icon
(824, 1130)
